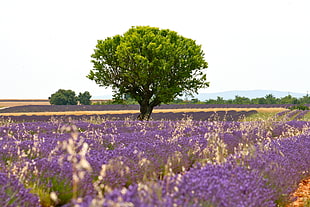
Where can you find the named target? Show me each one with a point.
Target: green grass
(261, 116)
(307, 117)
(307, 203)
(42, 188)
(272, 116)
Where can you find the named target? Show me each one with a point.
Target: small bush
(63, 97)
(299, 107)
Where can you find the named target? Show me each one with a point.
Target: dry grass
(17, 102)
(23, 102)
(264, 110)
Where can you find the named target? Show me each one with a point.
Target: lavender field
(57, 108)
(185, 162)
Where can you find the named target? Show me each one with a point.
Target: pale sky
(45, 45)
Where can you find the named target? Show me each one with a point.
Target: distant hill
(247, 93)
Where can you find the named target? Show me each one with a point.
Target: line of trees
(68, 97)
(268, 99)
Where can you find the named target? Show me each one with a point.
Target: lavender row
(198, 116)
(266, 179)
(293, 114)
(155, 163)
(58, 108)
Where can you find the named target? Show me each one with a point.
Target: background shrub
(63, 97)
(84, 98)
(299, 107)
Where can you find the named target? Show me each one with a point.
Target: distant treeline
(268, 99)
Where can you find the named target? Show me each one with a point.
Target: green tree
(84, 98)
(258, 100)
(210, 101)
(270, 99)
(289, 100)
(220, 100)
(151, 65)
(305, 99)
(63, 97)
(241, 100)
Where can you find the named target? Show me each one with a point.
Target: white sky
(46, 45)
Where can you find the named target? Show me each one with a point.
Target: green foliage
(68, 97)
(44, 186)
(299, 107)
(289, 100)
(111, 102)
(108, 102)
(268, 99)
(305, 99)
(63, 97)
(241, 100)
(84, 98)
(151, 65)
(259, 116)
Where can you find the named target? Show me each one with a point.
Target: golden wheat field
(20, 102)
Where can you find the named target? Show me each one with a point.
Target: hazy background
(249, 44)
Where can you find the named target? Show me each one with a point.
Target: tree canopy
(63, 97)
(149, 64)
(68, 97)
(84, 98)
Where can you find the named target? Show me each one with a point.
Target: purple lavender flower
(160, 163)
(13, 193)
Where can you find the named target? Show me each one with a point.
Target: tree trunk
(145, 111)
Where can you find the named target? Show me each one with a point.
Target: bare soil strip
(264, 110)
(302, 194)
